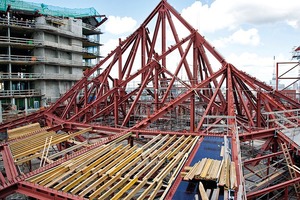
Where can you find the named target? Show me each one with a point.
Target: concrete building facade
(43, 52)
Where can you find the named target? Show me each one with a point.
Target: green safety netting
(45, 9)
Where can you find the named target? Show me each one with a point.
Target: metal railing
(86, 50)
(91, 39)
(31, 76)
(21, 58)
(283, 117)
(88, 26)
(17, 22)
(34, 42)
(6, 57)
(58, 30)
(30, 92)
(16, 40)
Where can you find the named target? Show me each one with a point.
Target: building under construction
(166, 118)
(44, 51)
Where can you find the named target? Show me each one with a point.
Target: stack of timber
(212, 194)
(208, 169)
(24, 130)
(31, 147)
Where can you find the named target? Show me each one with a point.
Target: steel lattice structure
(166, 78)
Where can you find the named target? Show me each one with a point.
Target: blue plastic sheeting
(209, 148)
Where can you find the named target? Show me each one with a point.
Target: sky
(250, 34)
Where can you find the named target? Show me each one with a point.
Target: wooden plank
(224, 175)
(147, 167)
(94, 184)
(123, 190)
(268, 180)
(153, 140)
(136, 189)
(177, 149)
(78, 173)
(190, 175)
(138, 167)
(176, 170)
(146, 192)
(89, 169)
(206, 168)
(34, 178)
(213, 173)
(65, 151)
(103, 187)
(202, 191)
(208, 193)
(119, 184)
(200, 167)
(167, 170)
(26, 159)
(226, 194)
(156, 189)
(188, 168)
(100, 172)
(54, 141)
(167, 151)
(40, 177)
(222, 152)
(20, 131)
(124, 162)
(215, 194)
(233, 181)
(75, 182)
(30, 142)
(155, 146)
(75, 169)
(158, 151)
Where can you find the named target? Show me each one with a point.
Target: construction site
(162, 116)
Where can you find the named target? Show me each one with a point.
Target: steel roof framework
(177, 78)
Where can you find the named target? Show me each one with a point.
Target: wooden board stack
(223, 172)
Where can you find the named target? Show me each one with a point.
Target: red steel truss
(167, 77)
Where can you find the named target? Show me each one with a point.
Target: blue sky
(248, 33)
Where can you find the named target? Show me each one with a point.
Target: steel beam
(269, 189)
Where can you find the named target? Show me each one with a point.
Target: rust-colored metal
(156, 83)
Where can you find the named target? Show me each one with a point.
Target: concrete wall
(65, 70)
(77, 71)
(76, 26)
(65, 86)
(50, 37)
(52, 69)
(60, 48)
(40, 68)
(52, 89)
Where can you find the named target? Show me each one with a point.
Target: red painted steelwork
(252, 195)
(40, 192)
(151, 85)
(178, 179)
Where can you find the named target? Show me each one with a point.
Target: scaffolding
(45, 9)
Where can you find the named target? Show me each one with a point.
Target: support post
(26, 106)
(1, 119)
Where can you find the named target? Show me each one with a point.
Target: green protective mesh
(47, 9)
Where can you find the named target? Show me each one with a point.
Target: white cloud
(243, 37)
(117, 25)
(109, 46)
(207, 19)
(294, 23)
(257, 66)
(229, 14)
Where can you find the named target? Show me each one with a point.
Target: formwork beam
(40, 192)
(252, 195)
